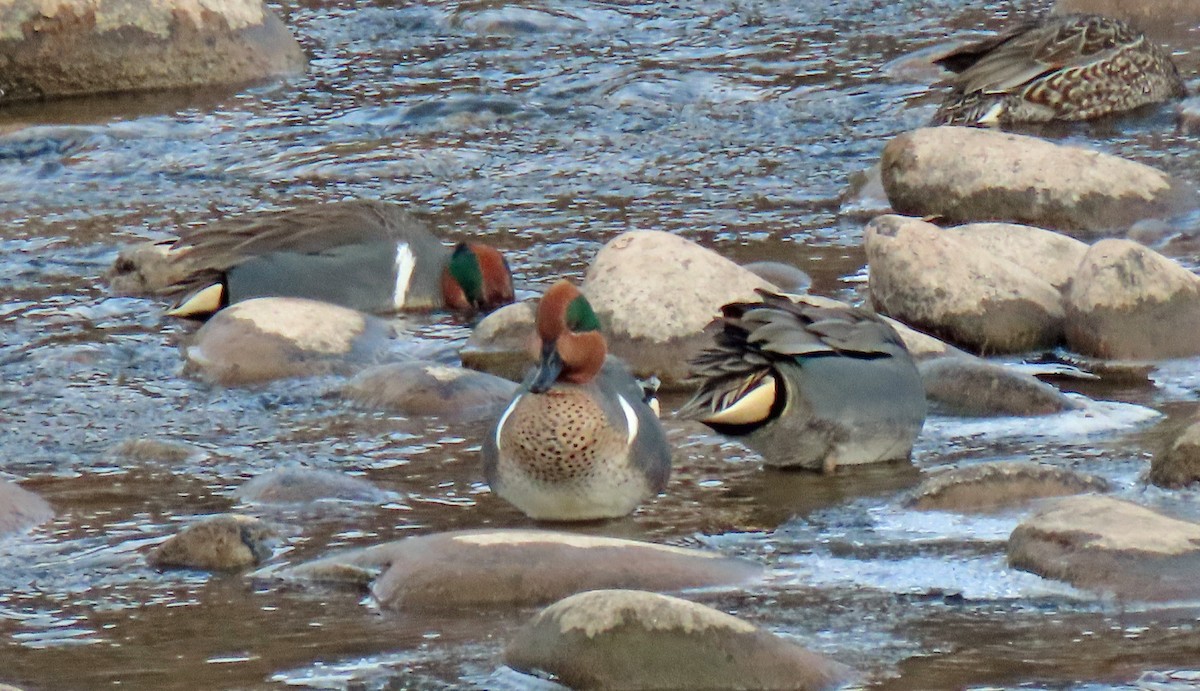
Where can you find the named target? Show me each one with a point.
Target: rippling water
(547, 129)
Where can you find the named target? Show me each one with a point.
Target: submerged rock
(143, 449)
(1178, 465)
(517, 568)
(630, 639)
(992, 486)
(975, 387)
(1112, 546)
(785, 277)
(1128, 301)
(965, 174)
(503, 343)
(21, 509)
(419, 389)
(297, 485)
(76, 47)
(1189, 115)
(938, 283)
(655, 292)
(218, 543)
(264, 339)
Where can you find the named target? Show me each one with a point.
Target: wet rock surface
(503, 343)
(1178, 465)
(630, 639)
(299, 485)
(1130, 302)
(219, 543)
(938, 283)
(655, 293)
(71, 48)
(1111, 546)
(1051, 256)
(999, 485)
(430, 388)
(975, 387)
(274, 338)
(965, 174)
(517, 567)
(20, 508)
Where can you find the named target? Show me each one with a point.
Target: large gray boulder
(941, 284)
(965, 174)
(77, 47)
(1052, 256)
(265, 339)
(1112, 546)
(1128, 301)
(515, 567)
(654, 293)
(630, 639)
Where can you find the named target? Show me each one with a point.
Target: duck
(807, 385)
(368, 255)
(579, 440)
(1062, 67)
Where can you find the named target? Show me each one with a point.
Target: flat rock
(264, 339)
(966, 174)
(516, 568)
(503, 343)
(1111, 546)
(992, 486)
(76, 47)
(1178, 465)
(935, 282)
(419, 389)
(298, 485)
(21, 509)
(654, 293)
(1052, 256)
(1130, 302)
(218, 543)
(631, 639)
(147, 449)
(972, 387)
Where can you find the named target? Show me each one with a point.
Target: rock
(274, 338)
(934, 281)
(655, 292)
(503, 343)
(999, 485)
(76, 47)
(965, 174)
(630, 639)
(977, 388)
(517, 567)
(785, 277)
(148, 268)
(1178, 465)
(1188, 112)
(21, 509)
(418, 389)
(864, 197)
(1112, 546)
(144, 449)
(218, 543)
(298, 485)
(1052, 256)
(1130, 302)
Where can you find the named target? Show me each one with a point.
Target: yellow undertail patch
(753, 407)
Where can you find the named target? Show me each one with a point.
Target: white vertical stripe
(630, 418)
(405, 263)
(504, 418)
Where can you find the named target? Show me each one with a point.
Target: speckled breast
(560, 436)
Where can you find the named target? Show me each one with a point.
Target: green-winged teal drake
(809, 386)
(1063, 67)
(578, 441)
(367, 255)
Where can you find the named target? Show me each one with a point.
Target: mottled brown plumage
(1064, 67)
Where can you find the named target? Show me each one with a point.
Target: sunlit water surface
(545, 129)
